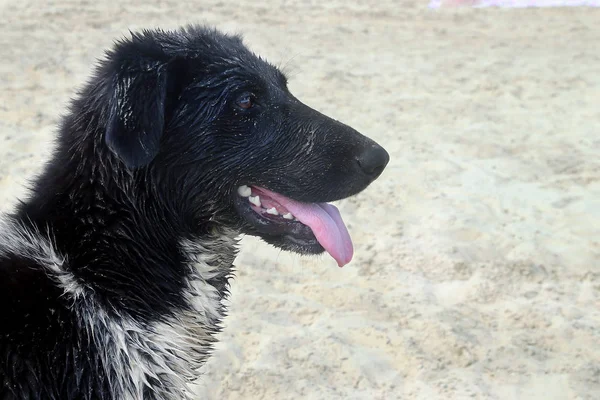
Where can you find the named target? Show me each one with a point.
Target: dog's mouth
(293, 225)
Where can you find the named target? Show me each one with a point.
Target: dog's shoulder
(32, 282)
(27, 242)
(33, 309)
(29, 258)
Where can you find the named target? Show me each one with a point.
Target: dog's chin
(293, 244)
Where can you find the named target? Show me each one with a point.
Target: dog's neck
(145, 282)
(123, 240)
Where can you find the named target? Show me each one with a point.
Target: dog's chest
(159, 359)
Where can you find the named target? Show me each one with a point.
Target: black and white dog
(113, 272)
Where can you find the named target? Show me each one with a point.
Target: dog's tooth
(255, 200)
(244, 191)
(272, 211)
(288, 216)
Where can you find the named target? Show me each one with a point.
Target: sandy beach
(477, 253)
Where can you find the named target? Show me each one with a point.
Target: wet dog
(113, 272)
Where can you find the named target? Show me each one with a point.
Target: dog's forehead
(213, 51)
(259, 68)
(240, 67)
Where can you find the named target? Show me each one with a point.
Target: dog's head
(217, 129)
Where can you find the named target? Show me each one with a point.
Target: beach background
(477, 266)
(514, 3)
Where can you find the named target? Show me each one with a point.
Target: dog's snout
(372, 160)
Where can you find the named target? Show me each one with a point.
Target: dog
(114, 269)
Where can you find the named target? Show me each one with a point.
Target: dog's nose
(373, 160)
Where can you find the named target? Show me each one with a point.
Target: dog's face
(204, 113)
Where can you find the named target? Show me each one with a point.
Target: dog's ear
(136, 119)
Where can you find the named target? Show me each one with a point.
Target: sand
(477, 267)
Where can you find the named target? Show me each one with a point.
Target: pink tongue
(326, 223)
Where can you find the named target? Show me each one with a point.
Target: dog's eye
(246, 101)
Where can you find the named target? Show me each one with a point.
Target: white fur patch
(34, 245)
(164, 357)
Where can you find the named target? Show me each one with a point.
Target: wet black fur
(151, 152)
